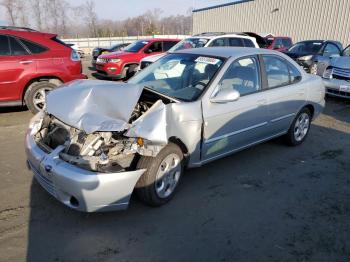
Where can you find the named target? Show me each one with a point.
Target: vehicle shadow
(267, 203)
(13, 109)
(338, 108)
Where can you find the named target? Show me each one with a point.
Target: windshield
(189, 43)
(181, 76)
(311, 47)
(346, 51)
(136, 46)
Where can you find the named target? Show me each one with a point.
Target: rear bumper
(78, 188)
(333, 87)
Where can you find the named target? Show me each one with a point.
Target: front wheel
(157, 185)
(299, 129)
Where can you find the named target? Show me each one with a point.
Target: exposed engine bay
(100, 151)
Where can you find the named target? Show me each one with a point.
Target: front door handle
(26, 62)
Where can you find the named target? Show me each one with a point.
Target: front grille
(45, 182)
(338, 93)
(144, 64)
(340, 73)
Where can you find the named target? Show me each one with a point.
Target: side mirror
(225, 95)
(148, 51)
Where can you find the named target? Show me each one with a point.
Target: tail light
(74, 56)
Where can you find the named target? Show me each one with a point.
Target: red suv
(32, 63)
(278, 43)
(123, 64)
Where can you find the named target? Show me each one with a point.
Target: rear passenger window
(4, 46)
(168, 45)
(33, 48)
(279, 72)
(243, 76)
(219, 42)
(248, 43)
(16, 47)
(235, 42)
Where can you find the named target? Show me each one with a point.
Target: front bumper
(78, 188)
(333, 87)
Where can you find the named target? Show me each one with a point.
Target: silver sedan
(96, 141)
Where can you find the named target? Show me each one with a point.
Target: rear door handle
(25, 62)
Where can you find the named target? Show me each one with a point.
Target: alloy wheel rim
(301, 126)
(39, 98)
(168, 175)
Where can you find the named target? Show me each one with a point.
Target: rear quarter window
(248, 43)
(33, 47)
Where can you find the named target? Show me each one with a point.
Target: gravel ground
(267, 203)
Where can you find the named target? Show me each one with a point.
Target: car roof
(227, 52)
(220, 36)
(158, 39)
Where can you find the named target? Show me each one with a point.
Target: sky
(117, 10)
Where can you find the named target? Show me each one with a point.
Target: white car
(206, 40)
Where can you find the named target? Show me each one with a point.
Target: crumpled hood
(94, 105)
(342, 62)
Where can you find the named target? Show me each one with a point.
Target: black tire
(147, 184)
(32, 92)
(131, 71)
(291, 138)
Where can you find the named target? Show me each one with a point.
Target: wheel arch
(39, 79)
(177, 141)
(311, 108)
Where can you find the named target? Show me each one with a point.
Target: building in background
(299, 19)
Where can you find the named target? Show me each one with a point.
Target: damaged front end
(102, 137)
(83, 149)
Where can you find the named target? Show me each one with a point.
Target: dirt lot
(267, 203)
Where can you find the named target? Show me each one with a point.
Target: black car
(100, 50)
(308, 53)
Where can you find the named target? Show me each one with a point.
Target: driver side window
(243, 76)
(155, 47)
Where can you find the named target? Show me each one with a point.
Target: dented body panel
(93, 105)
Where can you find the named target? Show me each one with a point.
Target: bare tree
(91, 17)
(11, 10)
(37, 13)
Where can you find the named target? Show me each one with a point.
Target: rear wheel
(300, 127)
(35, 96)
(158, 184)
(131, 71)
